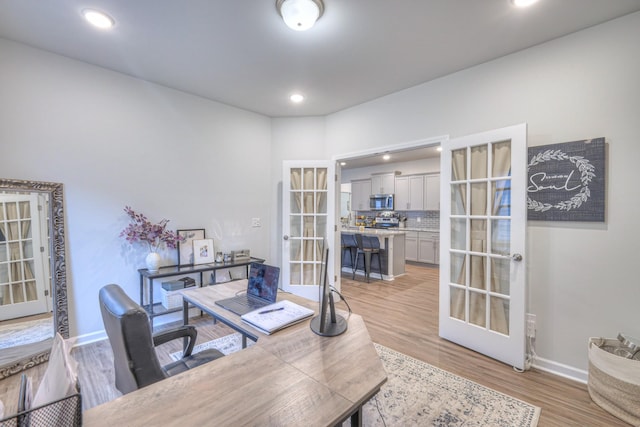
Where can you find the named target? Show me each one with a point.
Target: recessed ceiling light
(439, 148)
(98, 19)
(296, 98)
(386, 157)
(523, 3)
(343, 163)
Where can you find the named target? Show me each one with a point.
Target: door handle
(285, 237)
(516, 257)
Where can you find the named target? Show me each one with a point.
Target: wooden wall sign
(566, 181)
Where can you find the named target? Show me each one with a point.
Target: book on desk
(274, 317)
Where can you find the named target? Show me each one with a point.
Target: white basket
(614, 381)
(171, 299)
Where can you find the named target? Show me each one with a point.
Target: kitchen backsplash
(422, 219)
(415, 219)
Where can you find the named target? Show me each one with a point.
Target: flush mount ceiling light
(98, 19)
(300, 15)
(296, 98)
(523, 3)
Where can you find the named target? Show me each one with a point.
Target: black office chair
(134, 357)
(368, 246)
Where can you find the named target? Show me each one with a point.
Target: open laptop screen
(263, 281)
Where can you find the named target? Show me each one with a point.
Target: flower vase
(153, 262)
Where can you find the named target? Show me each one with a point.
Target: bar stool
(349, 244)
(367, 246)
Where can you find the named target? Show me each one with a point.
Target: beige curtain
(500, 306)
(309, 202)
(16, 229)
(477, 203)
(458, 206)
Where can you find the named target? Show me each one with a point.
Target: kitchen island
(392, 255)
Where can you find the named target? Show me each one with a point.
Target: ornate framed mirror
(52, 217)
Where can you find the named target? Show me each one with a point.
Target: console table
(157, 309)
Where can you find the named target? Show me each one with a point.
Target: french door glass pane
(501, 153)
(5, 296)
(294, 273)
(458, 269)
(295, 228)
(458, 199)
(478, 272)
(499, 315)
(501, 236)
(17, 293)
(309, 181)
(459, 165)
(477, 309)
(500, 276)
(32, 293)
(479, 162)
(308, 205)
(295, 202)
(457, 303)
(479, 198)
(459, 233)
(295, 252)
(501, 196)
(479, 235)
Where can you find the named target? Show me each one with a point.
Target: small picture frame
(185, 248)
(203, 252)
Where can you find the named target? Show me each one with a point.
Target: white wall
(582, 280)
(113, 141)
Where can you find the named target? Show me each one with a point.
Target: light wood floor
(402, 315)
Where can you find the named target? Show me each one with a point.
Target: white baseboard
(92, 337)
(560, 369)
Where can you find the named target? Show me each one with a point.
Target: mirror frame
(58, 266)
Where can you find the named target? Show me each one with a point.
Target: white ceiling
(239, 52)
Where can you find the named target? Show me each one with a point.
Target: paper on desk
(274, 317)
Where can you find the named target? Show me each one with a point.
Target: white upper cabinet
(383, 183)
(409, 193)
(360, 192)
(432, 192)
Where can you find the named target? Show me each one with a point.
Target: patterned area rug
(28, 332)
(419, 394)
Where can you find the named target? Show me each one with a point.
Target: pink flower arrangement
(154, 235)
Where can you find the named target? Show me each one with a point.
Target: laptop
(262, 290)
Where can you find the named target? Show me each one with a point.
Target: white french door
(483, 228)
(22, 277)
(308, 221)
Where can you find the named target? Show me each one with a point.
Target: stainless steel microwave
(381, 202)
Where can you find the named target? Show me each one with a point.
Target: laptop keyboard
(251, 303)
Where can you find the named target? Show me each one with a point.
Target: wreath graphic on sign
(586, 170)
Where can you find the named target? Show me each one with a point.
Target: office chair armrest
(185, 331)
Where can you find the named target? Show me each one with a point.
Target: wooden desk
(293, 377)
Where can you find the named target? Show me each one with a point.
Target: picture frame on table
(185, 248)
(203, 252)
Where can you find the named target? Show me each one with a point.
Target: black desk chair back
(134, 357)
(368, 246)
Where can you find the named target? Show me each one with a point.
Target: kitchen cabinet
(432, 192)
(409, 194)
(422, 246)
(383, 183)
(411, 246)
(360, 192)
(428, 247)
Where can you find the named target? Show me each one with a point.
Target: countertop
(387, 231)
(374, 231)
